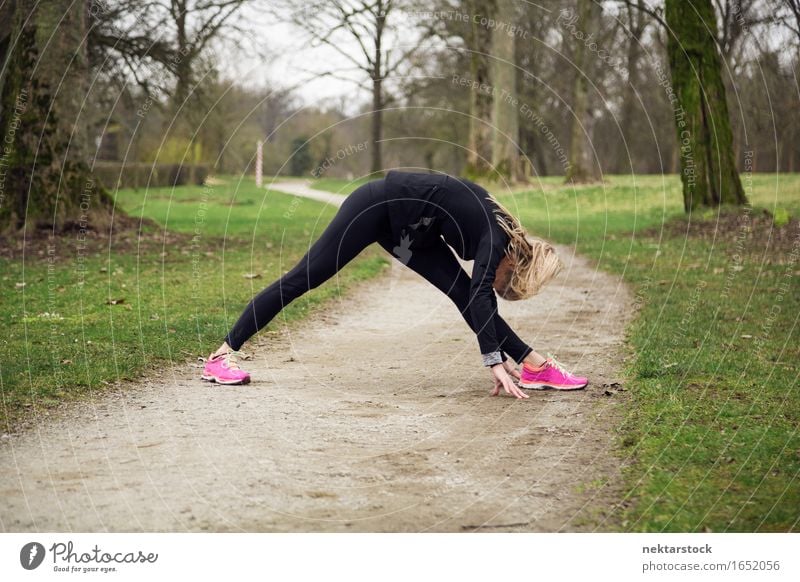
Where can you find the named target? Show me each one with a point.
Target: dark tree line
(52, 52)
(687, 87)
(491, 88)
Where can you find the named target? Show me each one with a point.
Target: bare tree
(788, 13)
(736, 18)
(126, 41)
(582, 167)
(367, 24)
(197, 23)
(636, 26)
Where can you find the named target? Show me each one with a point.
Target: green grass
(710, 430)
(709, 434)
(90, 318)
(712, 422)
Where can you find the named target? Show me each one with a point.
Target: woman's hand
(512, 369)
(501, 378)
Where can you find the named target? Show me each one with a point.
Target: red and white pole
(259, 161)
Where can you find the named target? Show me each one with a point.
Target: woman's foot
(551, 374)
(223, 369)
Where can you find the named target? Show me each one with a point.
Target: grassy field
(710, 430)
(79, 318)
(712, 408)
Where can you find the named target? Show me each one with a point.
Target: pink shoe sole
(563, 387)
(216, 380)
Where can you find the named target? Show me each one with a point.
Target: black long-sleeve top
(423, 207)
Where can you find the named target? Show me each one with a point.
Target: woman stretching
(415, 217)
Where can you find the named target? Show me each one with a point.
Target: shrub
(136, 175)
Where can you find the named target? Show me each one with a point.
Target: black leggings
(363, 219)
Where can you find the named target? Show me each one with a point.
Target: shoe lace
(231, 359)
(558, 365)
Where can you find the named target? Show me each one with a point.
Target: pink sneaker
(223, 369)
(550, 375)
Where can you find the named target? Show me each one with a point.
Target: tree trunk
(637, 24)
(377, 125)
(505, 141)
(377, 92)
(708, 166)
(479, 152)
(581, 164)
(6, 21)
(183, 65)
(535, 152)
(44, 177)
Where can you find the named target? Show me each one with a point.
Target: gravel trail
(374, 416)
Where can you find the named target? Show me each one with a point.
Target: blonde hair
(534, 261)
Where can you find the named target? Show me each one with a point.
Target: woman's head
(529, 263)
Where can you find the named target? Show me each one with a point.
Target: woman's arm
(482, 300)
(510, 341)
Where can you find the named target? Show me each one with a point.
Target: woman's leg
(439, 266)
(359, 222)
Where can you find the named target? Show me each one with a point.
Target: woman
(415, 217)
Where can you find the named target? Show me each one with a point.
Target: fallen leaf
(252, 275)
(115, 301)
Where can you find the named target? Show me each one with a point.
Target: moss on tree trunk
(46, 181)
(705, 140)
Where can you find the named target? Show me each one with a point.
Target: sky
(282, 56)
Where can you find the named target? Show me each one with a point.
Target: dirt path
(373, 417)
(306, 191)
